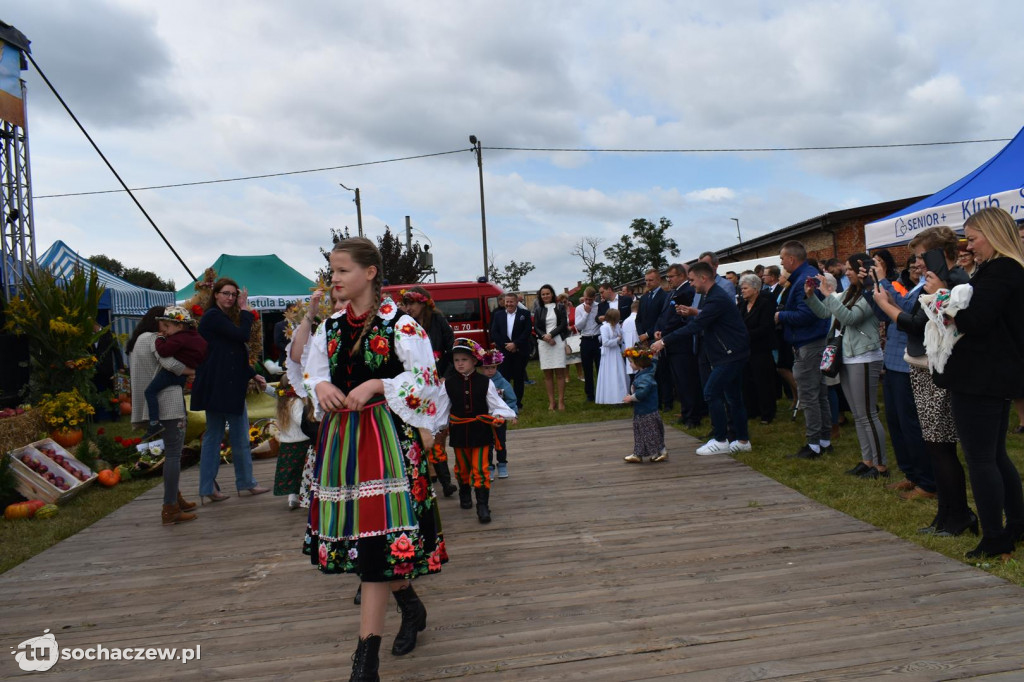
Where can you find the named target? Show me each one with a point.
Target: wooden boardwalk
(698, 568)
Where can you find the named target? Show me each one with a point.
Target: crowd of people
(373, 391)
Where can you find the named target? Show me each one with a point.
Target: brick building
(833, 235)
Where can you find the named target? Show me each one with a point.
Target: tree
(401, 265)
(137, 276)
(653, 240)
(586, 250)
(512, 276)
(634, 253)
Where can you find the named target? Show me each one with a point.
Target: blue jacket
(800, 325)
(506, 391)
(645, 390)
(725, 334)
(223, 378)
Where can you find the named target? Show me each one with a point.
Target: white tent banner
(901, 229)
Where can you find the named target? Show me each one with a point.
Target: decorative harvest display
(64, 411)
(57, 317)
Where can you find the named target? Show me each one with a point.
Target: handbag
(832, 356)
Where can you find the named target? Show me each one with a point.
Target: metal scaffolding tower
(17, 234)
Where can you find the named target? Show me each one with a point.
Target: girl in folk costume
(611, 375)
(294, 436)
(475, 411)
(372, 511)
(418, 303)
(648, 429)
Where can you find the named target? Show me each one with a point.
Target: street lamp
(359, 208)
(737, 221)
(483, 216)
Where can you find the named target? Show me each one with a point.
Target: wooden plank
(591, 569)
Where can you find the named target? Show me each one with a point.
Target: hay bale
(21, 430)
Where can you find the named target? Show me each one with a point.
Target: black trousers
(664, 378)
(981, 423)
(590, 354)
(686, 382)
(513, 368)
(759, 385)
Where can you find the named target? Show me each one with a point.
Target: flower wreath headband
(638, 351)
(416, 297)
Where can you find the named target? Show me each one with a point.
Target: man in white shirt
(590, 343)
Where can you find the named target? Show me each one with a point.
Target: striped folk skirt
(363, 515)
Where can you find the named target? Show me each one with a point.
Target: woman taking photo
(984, 372)
(862, 360)
(145, 363)
(758, 313)
(552, 325)
(220, 387)
(954, 516)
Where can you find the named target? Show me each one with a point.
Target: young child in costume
(489, 368)
(475, 410)
(372, 511)
(293, 433)
(648, 429)
(178, 339)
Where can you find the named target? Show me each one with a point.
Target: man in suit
(652, 304)
(679, 357)
(720, 321)
(511, 327)
(607, 298)
(772, 273)
(625, 302)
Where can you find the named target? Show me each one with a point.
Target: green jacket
(859, 324)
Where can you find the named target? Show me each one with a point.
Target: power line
(735, 150)
(254, 177)
(109, 165)
(710, 150)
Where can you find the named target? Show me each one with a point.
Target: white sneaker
(714, 447)
(739, 446)
(293, 501)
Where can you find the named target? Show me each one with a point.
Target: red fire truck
(467, 305)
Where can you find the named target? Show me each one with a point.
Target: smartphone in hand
(935, 261)
(814, 282)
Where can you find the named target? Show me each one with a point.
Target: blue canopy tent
(124, 302)
(999, 182)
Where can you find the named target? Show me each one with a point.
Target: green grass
(823, 480)
(23, 539)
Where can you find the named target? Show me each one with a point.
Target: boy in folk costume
(489, 368)
(475, 411)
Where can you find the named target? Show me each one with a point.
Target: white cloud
(711, 194)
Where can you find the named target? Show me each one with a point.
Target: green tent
(272, 283)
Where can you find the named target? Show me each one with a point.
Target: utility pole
(408, 234)
(737, 221)
(359, 208)
(483, 216)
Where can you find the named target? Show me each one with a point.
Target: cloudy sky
(194, 90)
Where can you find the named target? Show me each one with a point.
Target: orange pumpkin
(108, 478)
(126, 408)
(23, 510)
